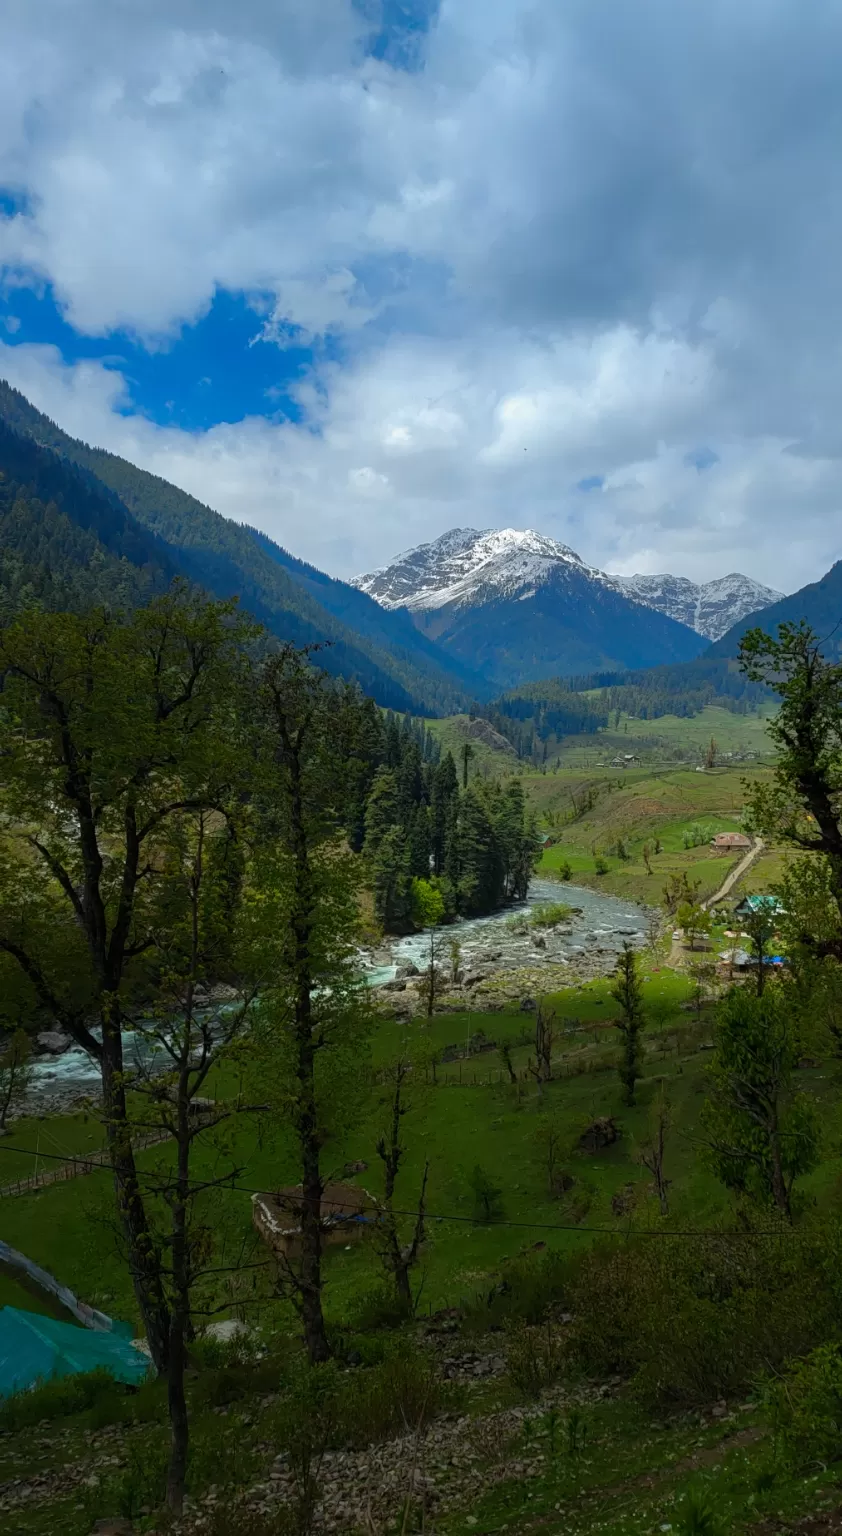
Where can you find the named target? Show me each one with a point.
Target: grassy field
(636, 1473)
(642, 809)
(471, 1116)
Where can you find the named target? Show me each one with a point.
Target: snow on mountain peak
(711, 608)
(468, 566)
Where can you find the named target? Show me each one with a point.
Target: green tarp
(35, 1349)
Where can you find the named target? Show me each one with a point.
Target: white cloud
(583, 241)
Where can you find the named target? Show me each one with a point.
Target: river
(601, 924)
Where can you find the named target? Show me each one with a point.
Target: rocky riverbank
(509, 958)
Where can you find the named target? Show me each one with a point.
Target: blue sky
(359, 271)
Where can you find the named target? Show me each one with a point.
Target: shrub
(378, 1307)
(805, 1408)
(62, 1398)
(693, 1321)
(600, 865)
(697, 1516)
(139, 1485)
(527, 1290)
(534, 1358)
(488, 1197)
(565, 870)
(548, 916)
(404, 1392)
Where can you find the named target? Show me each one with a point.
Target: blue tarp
(35, 1349)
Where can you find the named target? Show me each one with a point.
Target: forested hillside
(819, 604)
(142, 518)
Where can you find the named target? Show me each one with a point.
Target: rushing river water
(601, 923)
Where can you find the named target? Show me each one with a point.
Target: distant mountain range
(452, 622)
(518, 607)
(711, 609)
(819, 604)
(460, 589)
(465, 567)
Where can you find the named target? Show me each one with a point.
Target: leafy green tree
(428, 911)
(695, 920)
(802, 806)
(114, 729)
(628, 992)
(387, 853)
(762, 1135)
(314, 1019)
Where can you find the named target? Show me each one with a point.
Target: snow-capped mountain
(517, 606)
(467, 567)
(711, 608)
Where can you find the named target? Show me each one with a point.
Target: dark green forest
(114, 533)
(412, 817)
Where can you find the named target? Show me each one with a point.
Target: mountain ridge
(172, 529)
(470, 566)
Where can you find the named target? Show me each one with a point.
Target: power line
(531, 1226)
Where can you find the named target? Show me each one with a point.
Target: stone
(539, 941)
(360, 1166)
(406, 968)
(53, 1042)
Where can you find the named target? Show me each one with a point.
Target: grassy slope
(480, 1121)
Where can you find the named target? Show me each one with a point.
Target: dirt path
(736, 874)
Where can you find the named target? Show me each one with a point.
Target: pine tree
(628, 992)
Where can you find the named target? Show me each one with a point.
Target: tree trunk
(179, 1425)
(143, 1260)
(780, 1192)
(312, 1316)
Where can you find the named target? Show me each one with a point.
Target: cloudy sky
(360, 271)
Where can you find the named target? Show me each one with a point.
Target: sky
(361, 271)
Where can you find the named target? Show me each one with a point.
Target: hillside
(126, 513)
(820, 604)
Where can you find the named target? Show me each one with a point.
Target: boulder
(474, 977)
(53, 1042)
(539, 941)
(406, 968)
(360, 1166)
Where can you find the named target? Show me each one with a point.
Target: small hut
(730, 842)
(347, 1212)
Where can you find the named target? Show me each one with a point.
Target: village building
(347, 1212)
(730, 842)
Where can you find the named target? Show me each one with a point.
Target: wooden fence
(77, 1167)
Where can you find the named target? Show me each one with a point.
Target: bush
(393, 1398)
(527, 1290)
(693, 1321)
(65, 1397)
(600, 865)
(565, 870)
(696, 1516)
(805, 1408)
(140, 1484)
(534, 1358)
(548, 916)
(488, 1197)
(377, 1308)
